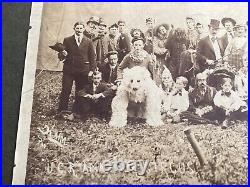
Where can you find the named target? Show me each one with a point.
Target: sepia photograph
(135, 93)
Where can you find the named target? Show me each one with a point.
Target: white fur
(146, 92)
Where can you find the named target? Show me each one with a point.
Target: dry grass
(172, 160)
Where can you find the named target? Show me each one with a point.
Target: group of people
(179, 60)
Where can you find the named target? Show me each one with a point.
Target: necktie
(79, 40)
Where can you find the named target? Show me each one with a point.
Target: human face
(213, 31)
(102, 29)
(190, 24)
(179, 84)
(200, 29)
(226, 87)
(138, 45)
(121, 27)
(137, 33)
(240, 31)
(162, 30)
(97, 79)
(149, 25)
(166, 80)
(201, 83)
(113, 31)
(113, 59)
(229, 26)
(79, 29)
(92, 27)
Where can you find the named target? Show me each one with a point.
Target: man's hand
(118, 82)
(64, 53)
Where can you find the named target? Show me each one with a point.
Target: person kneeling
(95, 98)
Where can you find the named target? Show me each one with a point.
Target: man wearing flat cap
(229, 24)
(101, 48)
(111, 40)
(92, 27)
(210, 49)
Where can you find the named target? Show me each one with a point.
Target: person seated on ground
(179, 100)
(109, 70)
(95, 98)
(201, 107)
(167, 87)
(229, 105)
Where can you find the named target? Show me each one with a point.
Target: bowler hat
(94, 20)
(224, 20)
(214, 24)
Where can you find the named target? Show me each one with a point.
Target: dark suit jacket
(196, 100)
(124, 46)
(80, 59)
(205, 51)
(106, 73)
(101, 88)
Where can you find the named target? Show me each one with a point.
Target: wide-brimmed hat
(156, 29)
(93, 19)
(214, 23)
(224, 20)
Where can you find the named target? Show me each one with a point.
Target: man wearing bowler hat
(210, 49)
(229, 24)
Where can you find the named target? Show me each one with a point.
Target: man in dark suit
(229, 24)
(201, 105)
(210, 49)
(79, 62)
(95, 98)
(124, 43)
(109, 70)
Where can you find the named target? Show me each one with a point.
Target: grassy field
(59, 148)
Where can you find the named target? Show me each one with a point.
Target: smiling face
(79, 29)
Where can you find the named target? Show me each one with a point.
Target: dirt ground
(58, 149)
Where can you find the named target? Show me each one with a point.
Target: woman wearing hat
(236, 53)
(137, 57)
